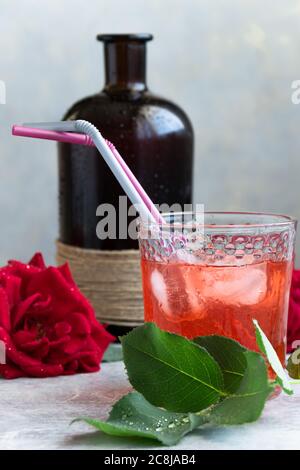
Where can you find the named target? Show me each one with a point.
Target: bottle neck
(125, 66)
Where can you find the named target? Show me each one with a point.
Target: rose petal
(90, 363)
(37, 349)
(57, 357)
(12, 285)
(27, 364)
(17, 357)
(74, 345)
(22, 337)
(71, 367)
(293, 325)
(21, 270)
(64, 269)
(80, 324)
(37, 261)
(8, 371)
(59, 343)
(101, 336)
(65, 299)
(62, 328)
(293, 333)
(23, 308)
(42, 305)
(44, 370)
(4, 310)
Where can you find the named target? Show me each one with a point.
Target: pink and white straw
(84, 133)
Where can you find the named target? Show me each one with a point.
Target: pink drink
(239, 272)
(195, 300)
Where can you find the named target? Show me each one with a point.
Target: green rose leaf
(247, 403)
(171, 371)
(293, 365)
(266, 348)
(210, 380)
(133, 416)
(229, 354)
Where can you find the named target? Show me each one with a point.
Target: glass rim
(283, 220)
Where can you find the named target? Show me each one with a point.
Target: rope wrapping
(111, 280)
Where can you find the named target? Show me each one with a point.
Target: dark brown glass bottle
(152, 134)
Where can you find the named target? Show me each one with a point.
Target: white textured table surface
(35, 414)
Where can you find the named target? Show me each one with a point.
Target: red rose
(294, 312)
(47, 325)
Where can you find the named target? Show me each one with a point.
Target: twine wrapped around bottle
(111, 280)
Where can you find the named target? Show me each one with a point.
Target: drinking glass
(216, 273)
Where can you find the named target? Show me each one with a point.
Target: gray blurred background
(228, 63)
